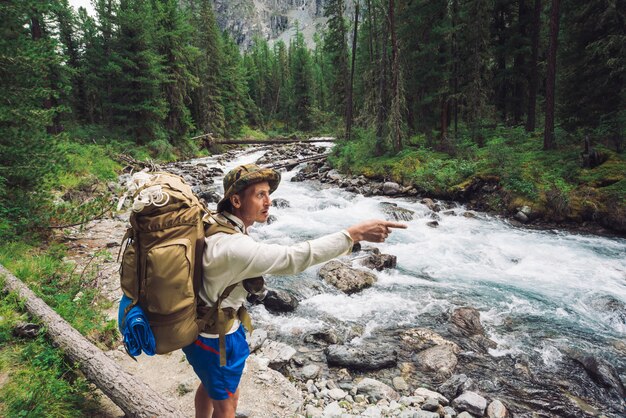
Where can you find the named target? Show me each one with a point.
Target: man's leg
(227, 407)
(203, 403)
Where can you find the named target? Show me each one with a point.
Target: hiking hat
(243, 176)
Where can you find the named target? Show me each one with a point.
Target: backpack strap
(216, 320)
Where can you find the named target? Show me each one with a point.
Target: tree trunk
(533, 82)
(351, 85)
(134, 397)
(548, 134)
(519, 65)
(396, 100)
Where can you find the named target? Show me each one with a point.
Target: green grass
(553, 182)
(39, 381)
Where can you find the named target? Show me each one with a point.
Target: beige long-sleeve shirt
(232, 258)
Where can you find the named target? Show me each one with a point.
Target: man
(230, 258)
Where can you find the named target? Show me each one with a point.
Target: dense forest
(500, 104)
(443, 75)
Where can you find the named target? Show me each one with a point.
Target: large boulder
(439, 359)
(391, 188)
(377, 261)
(361, 358)
(600, 371)
(277, 353)
(278, 301)
(346, 278)
(376, 390)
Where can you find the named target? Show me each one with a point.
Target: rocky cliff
(271, 19)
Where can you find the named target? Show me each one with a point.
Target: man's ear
(235, 200)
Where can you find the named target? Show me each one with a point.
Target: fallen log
(267, 141)
(295, 161)
(134, 397)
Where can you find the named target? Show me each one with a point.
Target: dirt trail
(264, 392)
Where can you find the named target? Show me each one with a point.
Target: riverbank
(510, 176)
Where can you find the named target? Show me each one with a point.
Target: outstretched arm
(374, 230)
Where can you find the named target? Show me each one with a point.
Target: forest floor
(264, 392)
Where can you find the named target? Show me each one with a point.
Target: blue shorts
(203, 355)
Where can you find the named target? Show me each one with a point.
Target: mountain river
(541, 294)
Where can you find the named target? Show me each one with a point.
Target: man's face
(254, 203)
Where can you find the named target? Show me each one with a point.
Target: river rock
(521, 217)
(456, 385)
(278, 301)
(311, 371)
(430, 204)
(361, 358)
(471, 402)
(465, 414)
(439, 359)
(281, 203)
(393, 212)
(432, 224)
(431, 405)
(496, 409)
(337, 394)
(380, 261)
(326, 336)
(418, 339)
(399, 384)
(271, 219)
(425, 414)
(277, 353)
(467, 321)
(427, 393)
(391, 188)
(346, 278)
(256, 339)
(600, 371)
(334, 175)
(333, 410)
(376, 390)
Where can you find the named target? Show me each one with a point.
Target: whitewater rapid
(538, 292)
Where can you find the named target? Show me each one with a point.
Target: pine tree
(424, 33)
(336, 47)
(236, 99)
(302, 78)
(136, 97)
(207, 99)
(474, 58)
(548, 134)
(173, 38)
(28, 152)
(593, 60)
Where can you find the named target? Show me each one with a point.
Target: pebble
(311, 371)
(427, 393)
(400, 384)
(496, 409)
(431, 405)
(332, 410)
(337, 394)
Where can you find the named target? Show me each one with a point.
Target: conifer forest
(158, 73)
(514, 109)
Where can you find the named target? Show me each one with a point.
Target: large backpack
(161, 268)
